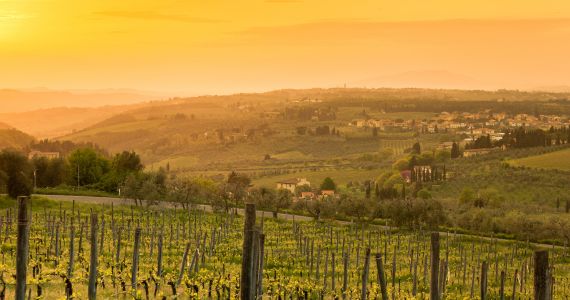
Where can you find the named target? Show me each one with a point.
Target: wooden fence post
(484, 280)
(255, 262)
(22, 247)
(92, 289)
(159, 259)
(345, 275)
(71, 251)
(183, 264)
(364, 291)
(434, 287)
(514, 295)
(381, 277)
(247, 253)
(135, 266)
(261, 264)
(540, 275)
(502, 288)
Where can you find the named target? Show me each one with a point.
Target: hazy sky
(227, 46)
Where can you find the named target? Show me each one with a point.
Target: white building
(292, 184)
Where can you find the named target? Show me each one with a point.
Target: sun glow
(230, 46)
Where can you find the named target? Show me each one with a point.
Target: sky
(217, 47)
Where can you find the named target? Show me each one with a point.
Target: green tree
(396, 178)
(40, 165)
(321, 208)
(49, 172)
(16, 172)
(302, 188)
(127, 162)
(236, 187)
(123, 164)
(363, 209)
(178, 190)
(380, 180)
(424, 194)
(401, 165)
(86, 167)
(455, 150)
(56, 172)
(281, 201)
(416, 148)
(131, 188)
(328, 184)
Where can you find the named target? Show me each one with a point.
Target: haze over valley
(284, 149)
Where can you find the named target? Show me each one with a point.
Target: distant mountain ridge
(22, 100)
(47, 113)
(431, 79)
(53, 122)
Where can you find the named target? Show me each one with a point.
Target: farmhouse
(40, 154)
(292, 184)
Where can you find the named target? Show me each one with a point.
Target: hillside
(54, 122)
(13, 138)
(238, 131)
(559, 160)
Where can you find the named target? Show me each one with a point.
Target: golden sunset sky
(232, 46)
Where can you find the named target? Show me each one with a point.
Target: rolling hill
(13, 138)
(223, 132)
(559, 160)
(54, 122)
(186, 132)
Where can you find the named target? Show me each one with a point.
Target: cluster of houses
(467, 121)
(294, 183)
(471, 125)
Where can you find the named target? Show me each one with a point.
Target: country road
(208, 208)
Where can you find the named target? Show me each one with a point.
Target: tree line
(82, 168)
(524, 138)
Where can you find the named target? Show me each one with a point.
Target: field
(194, 254)
(554, 160)
(340, 176)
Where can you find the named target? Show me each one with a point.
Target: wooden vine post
(92, 289)
(246, 278)
(483, 284)
(22, 247)
(135, 266)
(434, 286)
(541, 288)
(381, 277)
(365, 272)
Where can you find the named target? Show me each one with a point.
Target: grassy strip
(72, 192)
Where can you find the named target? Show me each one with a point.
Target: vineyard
(109, 252)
